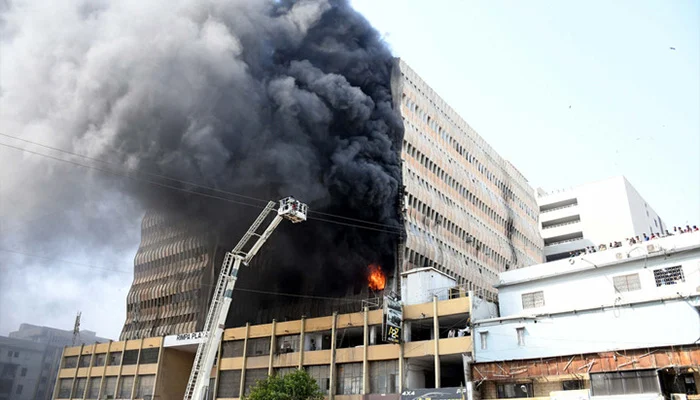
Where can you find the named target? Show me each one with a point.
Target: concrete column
(365, 363)
(89, 378)
(401, 368)
(104, 370)
(158, 361)
(301, 342)
(436, 340)
(272, 348)
(77, 367)
(245, 359)
(136, 373)
(121, 367)
(331, 371)
(58, 379)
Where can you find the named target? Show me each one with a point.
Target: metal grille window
(70, 362)
(125, 385)
(669, 276)
(144, 386)
(483, 336)
(114, 358)
(229, 383)
(110, 385)
(384, 377)
(627, 283)
(533, 300)
(624, 382)
(130, 357)
(85, 361)
(320, 373)
(65, 385)
(258, 347)
(233, 348)
(252, 376)
(349, 378)
(514, 390)
(99, 360)
(149, 356)
(93, 389)
(79, 388)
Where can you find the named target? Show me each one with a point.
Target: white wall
(420, 285)
(584, 313)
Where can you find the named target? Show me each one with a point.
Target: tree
(298, 385)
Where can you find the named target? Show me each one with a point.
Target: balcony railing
(561, 224)
(558, 208)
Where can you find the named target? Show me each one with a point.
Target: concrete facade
(592, 214)
(343, 352)
(469, 213)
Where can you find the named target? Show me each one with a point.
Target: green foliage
(297, 385)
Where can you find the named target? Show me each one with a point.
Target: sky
(568, 92)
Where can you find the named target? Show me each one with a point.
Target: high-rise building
(593, 214)
(468, 213)
(29, 360)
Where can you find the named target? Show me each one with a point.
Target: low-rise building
(624, 321)
(345, 353)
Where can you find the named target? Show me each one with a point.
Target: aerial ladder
(249, 245)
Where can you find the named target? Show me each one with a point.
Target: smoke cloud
(265, 98)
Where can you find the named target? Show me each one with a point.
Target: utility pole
(76, 329)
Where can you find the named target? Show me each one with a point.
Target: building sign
(435, 394)
(184, 339)
(393, 320)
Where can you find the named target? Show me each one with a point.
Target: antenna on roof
(76, 329)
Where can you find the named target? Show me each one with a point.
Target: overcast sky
(568, 92)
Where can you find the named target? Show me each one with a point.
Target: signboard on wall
(435, 394)
(393, 320)
(184, 339)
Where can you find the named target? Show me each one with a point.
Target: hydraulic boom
(249, 245)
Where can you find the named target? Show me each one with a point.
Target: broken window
(669, 276)
(233, 348)
(349, 378)
(114, 358)
(320, 373)
(99, 360)
(576, 384)
(258, 347)
(533, 300)
(287, 344)
(384, 376)
(626, 283)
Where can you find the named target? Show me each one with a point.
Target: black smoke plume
(260, 97)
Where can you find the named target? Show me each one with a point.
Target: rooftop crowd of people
(677, 230)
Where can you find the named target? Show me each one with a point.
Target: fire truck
(249, 245)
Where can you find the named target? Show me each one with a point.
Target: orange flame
(376, 278)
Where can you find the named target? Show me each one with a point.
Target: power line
(178, 180)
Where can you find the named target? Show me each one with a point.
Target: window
(65, 385)
(99, 360)
(384, 377)
(626, 283)
(19, 389)
(233, 348)
(533, 300)
(624, 382)
(79, 387)
(16, 354)
(93, 387)
(130, 357)
(669, 276)
(110, 385)
(572, 385)
(149, 356)
(521, 336)
(258, 347)
(229, 383)
(70, 362)
(288, 344)
(144, 385)
(321, 374)
(482, 339)
(252, 376)
(24, 372)
(115, 358)
(125, 385)
(349, 379)
(514, 390)
(284, 371)
(85, 361)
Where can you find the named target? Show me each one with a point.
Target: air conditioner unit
(679, 396)
(653, 248)
(619, 256)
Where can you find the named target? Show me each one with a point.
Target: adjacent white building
(593, 214)
(641, 296)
